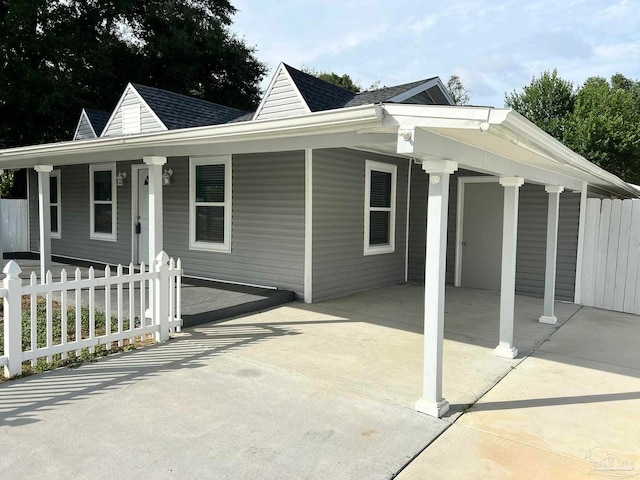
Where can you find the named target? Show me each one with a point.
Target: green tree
(604, 126)
(344, 81)
(59, 56)
(546, 101)
(459, 93)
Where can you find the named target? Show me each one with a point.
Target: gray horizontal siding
(75, 241)
(267, 239)
(339, 265)
(532, 227)
(148, 122)
(84, 129)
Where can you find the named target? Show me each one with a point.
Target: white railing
(78, 313)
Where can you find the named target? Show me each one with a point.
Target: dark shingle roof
(318, 94)
(382, 95)
(98, 119)
(179, 111)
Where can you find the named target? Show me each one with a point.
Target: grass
(73, 359)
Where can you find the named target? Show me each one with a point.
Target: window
(210, 204)
(379, 208)
(103, 198)
(55, 204)
(131, 119)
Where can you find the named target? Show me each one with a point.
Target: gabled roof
(180, 111)
(318, 94)
(387, 94)
(98, 119)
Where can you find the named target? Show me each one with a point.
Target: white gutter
(330, 121)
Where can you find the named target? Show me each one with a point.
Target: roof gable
(148, 119)
(318, 94)
(90, 124)
(282, 98)
(430, 91)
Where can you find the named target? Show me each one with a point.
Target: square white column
(554, 192)
(1, 242)
(156, 242)
(505, 346)
(44, 216)
(432, 403)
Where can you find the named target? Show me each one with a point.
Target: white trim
(462, 181)
(308, 225)
(265, 98)
(580, 250)
(406, 236)
(224, 247)
(135, 168)
(56, 174)
(434, 82)
(128, 88)
(113, 236)
(370, 166)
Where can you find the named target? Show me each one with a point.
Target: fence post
(161, 297)
(13, 320)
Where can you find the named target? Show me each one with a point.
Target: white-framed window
(131, 123)
(210, 203)
(379, 208)
(55, 204)
(104, 202)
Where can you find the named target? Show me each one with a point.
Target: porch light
(166, 176)
(120, 179)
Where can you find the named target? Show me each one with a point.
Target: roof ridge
(314, 78)
(400, 85)
(189, 97)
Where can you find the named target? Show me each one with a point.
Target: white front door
(141, 230)
(482, 235)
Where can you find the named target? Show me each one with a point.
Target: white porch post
(505, 346)
(554, 192)
(44, 206)
(432, 402)
(156, 243)
(1, 242)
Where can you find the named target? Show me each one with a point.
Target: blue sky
(494, 46)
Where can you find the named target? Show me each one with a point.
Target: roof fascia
(272, 83)
(434, 82)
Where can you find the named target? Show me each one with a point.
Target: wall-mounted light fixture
(166, 176)
(120, 179)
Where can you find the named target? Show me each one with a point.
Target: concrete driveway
(302, 391)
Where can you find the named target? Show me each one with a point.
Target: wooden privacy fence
(611, 258)
(56, 318)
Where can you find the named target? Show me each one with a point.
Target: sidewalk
(571, 410)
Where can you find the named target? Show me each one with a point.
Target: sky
(495, 47)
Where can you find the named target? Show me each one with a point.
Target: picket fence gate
(611, 257)
(158, 309)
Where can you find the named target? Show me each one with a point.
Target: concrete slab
(570, 410)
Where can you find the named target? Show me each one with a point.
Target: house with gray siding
(324, 192)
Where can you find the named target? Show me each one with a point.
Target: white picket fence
(611, 258)
(154, 309)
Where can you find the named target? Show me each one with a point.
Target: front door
(482, 235)
(142, 216)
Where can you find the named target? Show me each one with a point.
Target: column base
(435, 409)
(505, 352)
(552, 320)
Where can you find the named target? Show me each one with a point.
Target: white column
(554, 192)
(1, 242)
(432, 402)
(580, 251)
(44, 211)
(505, 346)
(156, 243)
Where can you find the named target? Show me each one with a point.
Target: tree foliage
(344, 80)
(459, 93)
(600, 120)
(59, 56)
(547, 102)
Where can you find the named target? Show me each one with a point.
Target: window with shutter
(380, 207)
